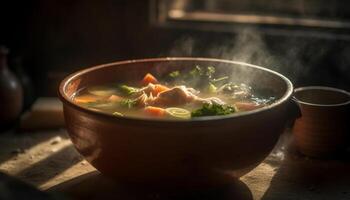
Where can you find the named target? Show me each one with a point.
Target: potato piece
(115, 98)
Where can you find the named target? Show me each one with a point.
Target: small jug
(11, 94)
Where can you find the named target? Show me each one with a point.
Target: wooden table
(48, 161)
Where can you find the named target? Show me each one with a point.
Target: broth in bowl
(182, 95)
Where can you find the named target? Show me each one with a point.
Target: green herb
(197, 71)
(128, 90)
(210, 71)
(128, 103)
(197, 77)
(174, 74)
(213, 110)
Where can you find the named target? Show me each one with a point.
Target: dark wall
(62, 36)
(57, 37)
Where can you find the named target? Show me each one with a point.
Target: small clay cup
(323, 129)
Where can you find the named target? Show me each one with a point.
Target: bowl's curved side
(213, 152)
(186, 153)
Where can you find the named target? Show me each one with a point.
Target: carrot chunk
(86, 98)
(149, 78)
(154, 111)
(246, 106)
(158, 88)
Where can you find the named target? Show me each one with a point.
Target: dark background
(54, 38)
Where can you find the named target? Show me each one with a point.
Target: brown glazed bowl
(202, 152)
(324, 128)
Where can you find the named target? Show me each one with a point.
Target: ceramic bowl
(201, 152)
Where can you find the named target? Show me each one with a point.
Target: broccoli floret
(213, 110)
(128, 103)
(128, 90)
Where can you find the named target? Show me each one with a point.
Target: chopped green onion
(178, 112)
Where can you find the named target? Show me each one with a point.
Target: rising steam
(289, 57)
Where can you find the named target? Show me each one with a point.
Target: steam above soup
(177, 95)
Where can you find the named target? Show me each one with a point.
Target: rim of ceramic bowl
(65, 99)
(324, 88)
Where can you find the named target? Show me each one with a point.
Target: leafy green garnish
(198, 77)
(128, 103)
(197, 71)
(213, 110)
(128, 90)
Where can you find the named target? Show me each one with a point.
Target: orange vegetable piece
(149, 78)
(246, 106)
(86, 98)
(155, 111)
(158, 88)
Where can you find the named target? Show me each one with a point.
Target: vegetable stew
(177, 95)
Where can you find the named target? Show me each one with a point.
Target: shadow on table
(13, 189)
(93, 186)
(13, 143)
(42, 171)
(300, 177)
